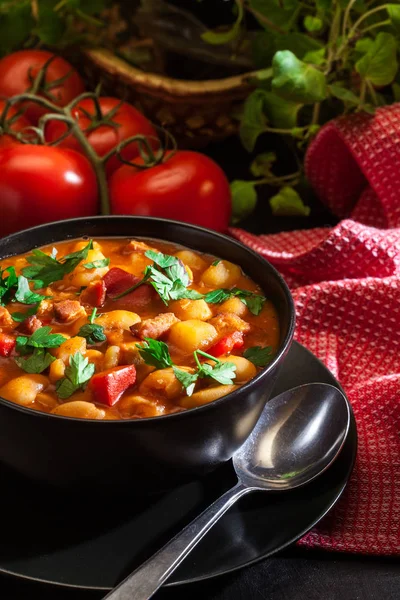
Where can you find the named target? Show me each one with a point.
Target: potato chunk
(245, 370)
(118, 319)
(70, 347)
(163, 383)
(135, 406)
(222, 275)
(192, 260)
(192, 335)
(81, 276)
(79, 410)
(207, 395)
(191, 309)
(235, 306)
(23, 390)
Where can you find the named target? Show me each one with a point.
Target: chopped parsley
(41, 338)
(45, 269)
(19, 316)
(91, 332)
(77, 374)
(168, 276)
(253, 301)
(97, 264)
(155, 353)
(259, 356)
(37, 362)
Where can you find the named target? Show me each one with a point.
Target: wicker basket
(195, 112)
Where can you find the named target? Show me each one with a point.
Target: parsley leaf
(46, 269)
(19, 316)
(168, 276)
(216, 262)
(223, 372)
(155, 353)
(188, 380)
(97, 264)
(258, 355)
(37, 362)
(253, 301)
(79, 371)
(41, 338)
(160, 259)
(23, 293)
(7, 284)
(93, 333)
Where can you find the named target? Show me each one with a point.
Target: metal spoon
(298, 435)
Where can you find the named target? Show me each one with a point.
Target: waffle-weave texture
(346, 287)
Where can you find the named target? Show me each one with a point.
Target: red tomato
(16, 125)
(187, 186)
(18, 70)
(103, 138)
(39, 184)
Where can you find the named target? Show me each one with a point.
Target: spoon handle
(145, 581)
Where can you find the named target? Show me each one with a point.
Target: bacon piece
(135, 246)
(68, 310)
(46, 310)
(154, 328)
(118, 281)
(226, 323)
(5, 318)
(29, 325)
(94, 294)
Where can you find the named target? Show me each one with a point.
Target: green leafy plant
(57, 23)
(317, 60)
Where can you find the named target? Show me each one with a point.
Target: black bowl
(152, 453)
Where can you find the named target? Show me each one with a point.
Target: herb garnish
(91, 332)
(77, 374)
(37, 362)
(259, 356)
(155, 353)
(97, 264)
(7, 284)
(168, 276)
(223, 372)
(17, 286)
(24, 294)
(46, 269)
(19, 316)
(41, 338)
(253, 301)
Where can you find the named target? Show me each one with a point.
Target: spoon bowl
(298, 435)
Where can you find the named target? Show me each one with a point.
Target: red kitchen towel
(346, 287)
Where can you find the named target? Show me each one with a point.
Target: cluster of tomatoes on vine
(66, 152)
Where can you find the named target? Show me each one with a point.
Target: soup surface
(124, 329)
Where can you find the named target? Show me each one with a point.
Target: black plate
(93, 544)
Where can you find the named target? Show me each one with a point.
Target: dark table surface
(296, 573)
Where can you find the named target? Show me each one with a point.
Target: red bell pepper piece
(109, 385)
(94, 294)
(7, 344)
(227, 344)
(118, 281)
